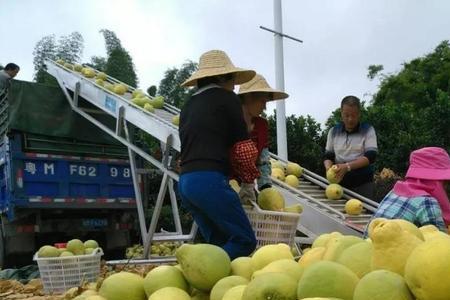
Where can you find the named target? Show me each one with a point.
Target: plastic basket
(272, 227)
(58, 274)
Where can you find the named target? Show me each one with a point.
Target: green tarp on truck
(44, 114)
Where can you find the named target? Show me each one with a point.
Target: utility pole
(279, 76)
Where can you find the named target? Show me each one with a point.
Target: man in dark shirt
(214, 142)
(352, 147)
(9, 72)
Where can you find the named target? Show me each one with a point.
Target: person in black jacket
(215, 143)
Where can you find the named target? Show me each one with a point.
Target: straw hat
(217, 62)
(259, 85)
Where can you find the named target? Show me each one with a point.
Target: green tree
(112, 42)
(152, 90)
(374, 70)
(120, 66)
(68, 48)
(170, 86)
(412, 108)
(119, 63)
(98, 63)
(44, 49)
(305, 142)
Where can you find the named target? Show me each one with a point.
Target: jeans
(218, 212)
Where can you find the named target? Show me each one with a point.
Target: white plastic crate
(59, 274)
(272, 227)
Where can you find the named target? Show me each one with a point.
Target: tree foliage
(374, 70)
(170, 86)
(98, 63)
(152, 90)
(112, 42)
(305, 141)
(119, 63)
(412, 108)
(68, 48)
(120, 66)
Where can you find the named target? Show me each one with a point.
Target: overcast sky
(341, 38)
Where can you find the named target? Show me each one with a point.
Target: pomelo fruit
(164, 276)
(294, 169)
(203, 264)
(278, 174)
(427, 270)
(332, 175)
(75, 246)
(169, 293)
(269, 253)
(322, 240)
(287, 266)
(224, 284)
(176, 120)
(235, 293)
(271, 199)
(271, 286)
(327, 279)
(242, 266)
(358, 258)
(123, 285)
(312, 256)
(334, 191)
(382, 285)
(48, 251)
(292, 181)
(353, 207)
(337, 245)
(91, 244)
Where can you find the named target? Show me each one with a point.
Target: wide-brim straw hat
(217, 62)
(259, 85)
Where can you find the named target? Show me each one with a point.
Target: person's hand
(341, 170)
(247, 193)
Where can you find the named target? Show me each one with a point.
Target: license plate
(94, 223)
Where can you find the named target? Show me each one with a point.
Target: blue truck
(60, 178)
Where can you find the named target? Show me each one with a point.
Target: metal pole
(279, 81)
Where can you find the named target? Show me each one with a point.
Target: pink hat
(431, 163)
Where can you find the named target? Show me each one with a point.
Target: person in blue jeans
(214, 143)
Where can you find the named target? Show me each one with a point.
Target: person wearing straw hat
(421, 198)
(214, 140)
(254, 96)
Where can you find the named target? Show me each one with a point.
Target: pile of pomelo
(72, 248)
(398, 261)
